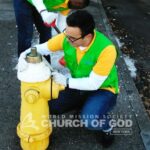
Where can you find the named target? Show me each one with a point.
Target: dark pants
(26, 17)
(94, 106)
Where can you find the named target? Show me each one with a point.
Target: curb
(134, 98)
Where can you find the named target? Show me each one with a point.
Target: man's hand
(48, 17)
(43, 49)
(59, 78)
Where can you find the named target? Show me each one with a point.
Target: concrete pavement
(128, 105)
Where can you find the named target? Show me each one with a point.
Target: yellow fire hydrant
(37, 88)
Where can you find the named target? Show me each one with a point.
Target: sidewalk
(129, 103)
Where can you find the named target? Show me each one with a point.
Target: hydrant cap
(33, 57)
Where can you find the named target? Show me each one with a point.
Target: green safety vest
(51, 4)
(88, 61)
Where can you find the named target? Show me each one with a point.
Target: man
(62, 7)
(93, 85)
(27, 15)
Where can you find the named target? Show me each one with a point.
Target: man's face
(74, 36)
(76, 4)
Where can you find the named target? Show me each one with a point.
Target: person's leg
(94, 114)
(24, 22)
(68, 99)
(44, 32)
(95, 109)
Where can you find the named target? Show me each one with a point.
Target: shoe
(107, 139)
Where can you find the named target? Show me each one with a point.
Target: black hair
(83, 20)
(86, 3)
(83, 4)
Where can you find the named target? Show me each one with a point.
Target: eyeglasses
(70, 38)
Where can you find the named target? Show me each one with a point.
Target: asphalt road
(128, 102)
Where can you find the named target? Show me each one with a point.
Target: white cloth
(41, 48)
(22, 63)
(59, 78)
(35, 73)
(93, 82)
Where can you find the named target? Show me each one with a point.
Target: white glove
(48, 17)
(59, 78)
(43, 49)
